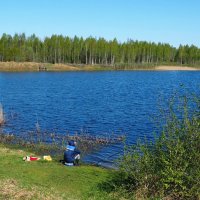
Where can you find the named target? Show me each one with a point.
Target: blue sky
(171, 21)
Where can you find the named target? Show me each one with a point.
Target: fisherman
(71, 154)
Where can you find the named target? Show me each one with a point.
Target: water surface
(97, 102)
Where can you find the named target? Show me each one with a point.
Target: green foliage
(93, 51)
(169, 167)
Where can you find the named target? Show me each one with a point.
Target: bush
(170, 166)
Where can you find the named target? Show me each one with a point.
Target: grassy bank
(48, 180)
(34, 67)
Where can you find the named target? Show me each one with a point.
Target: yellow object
(48, 158)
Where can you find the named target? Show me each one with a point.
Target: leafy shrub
(170, 166)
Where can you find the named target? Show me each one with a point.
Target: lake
(121, 102)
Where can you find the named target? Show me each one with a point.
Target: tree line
(91, 51)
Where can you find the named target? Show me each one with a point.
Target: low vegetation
(35, 67)
(42, 142)
(167, 168)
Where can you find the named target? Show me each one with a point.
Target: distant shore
(35, 67)
(175, 68)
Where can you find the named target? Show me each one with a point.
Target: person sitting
(71, 154)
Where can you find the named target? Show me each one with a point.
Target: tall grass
(42, 142)
(2, 119)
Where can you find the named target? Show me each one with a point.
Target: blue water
(97, 102)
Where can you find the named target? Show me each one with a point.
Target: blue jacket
(70, 153)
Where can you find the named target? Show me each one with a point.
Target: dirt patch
(10, 189)
(63, 67)
(175, 68)
(7, 151)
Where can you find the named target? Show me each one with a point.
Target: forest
(95, 51)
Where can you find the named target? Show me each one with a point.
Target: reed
(43, 142)
(2, 119)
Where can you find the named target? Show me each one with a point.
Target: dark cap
(71, 143)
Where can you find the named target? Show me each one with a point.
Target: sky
(168, 21)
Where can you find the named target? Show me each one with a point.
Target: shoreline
(48, 67)
(175, 68)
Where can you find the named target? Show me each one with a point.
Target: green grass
(48, 180)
